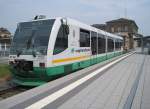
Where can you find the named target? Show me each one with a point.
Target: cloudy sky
(87, 11)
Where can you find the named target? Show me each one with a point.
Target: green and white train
(46, 48)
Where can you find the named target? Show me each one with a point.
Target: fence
(4, 53)
(4, 49)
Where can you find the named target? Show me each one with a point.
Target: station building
(126, 28)
(5, 41)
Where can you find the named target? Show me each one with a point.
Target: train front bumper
(29, 78)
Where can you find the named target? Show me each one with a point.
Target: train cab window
(101, 43)
(84, 38)
(61, 41)
(110, 45)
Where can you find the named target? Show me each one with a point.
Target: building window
(119, 29)
(125, 28)
(61, 41)
(84, 38)
(112, 29)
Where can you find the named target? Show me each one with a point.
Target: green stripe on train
(43, 75)
(78, 65)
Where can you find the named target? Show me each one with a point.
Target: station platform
(120, 83)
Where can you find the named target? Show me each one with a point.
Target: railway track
(12, 90)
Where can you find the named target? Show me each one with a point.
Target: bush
(4, 70)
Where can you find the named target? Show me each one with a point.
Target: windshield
(32, 37)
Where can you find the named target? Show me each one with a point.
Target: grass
(4, 70)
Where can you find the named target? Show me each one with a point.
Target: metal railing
(4, 53)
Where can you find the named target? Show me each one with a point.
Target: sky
(86, 11)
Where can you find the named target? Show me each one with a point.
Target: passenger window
(118, 44)
(101, 43)
(110, 45)
(94, 43)
(84, 38)
(61, 41)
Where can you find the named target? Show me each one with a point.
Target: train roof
(84, 26)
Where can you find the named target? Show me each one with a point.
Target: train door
(94, 45)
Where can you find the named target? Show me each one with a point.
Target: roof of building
(147, 37)
(123, 20)
(5, 35)
(4, 30)
(100, 26)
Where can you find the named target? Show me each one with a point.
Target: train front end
(28, 53)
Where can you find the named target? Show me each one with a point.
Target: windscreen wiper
(18, 53)
(29, 41)
(33, 53)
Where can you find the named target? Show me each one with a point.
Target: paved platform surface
(110, 91)
(123, 86)
(142, 96)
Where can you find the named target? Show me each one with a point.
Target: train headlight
(42, 65)
(11, 62)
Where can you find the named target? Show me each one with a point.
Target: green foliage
(4, 70)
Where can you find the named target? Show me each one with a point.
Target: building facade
(5, 41)
(126, 28)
